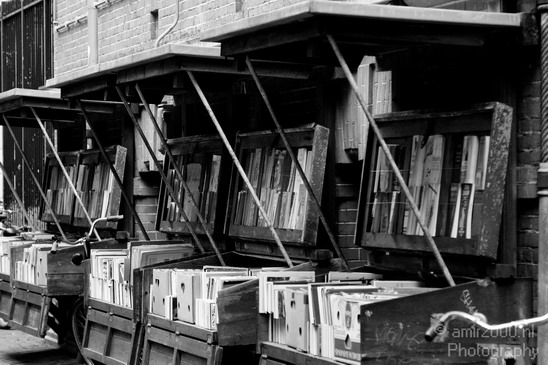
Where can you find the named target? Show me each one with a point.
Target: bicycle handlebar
(480, 320)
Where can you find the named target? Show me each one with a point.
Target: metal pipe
(295, 161)
(239, 167)
(160, 169)
(113, 171)
(542, 179)
(179, 173)
(157, 43)
(34, 178)
(69, 181)
(93, 36)
(12, 188)
(390, 159)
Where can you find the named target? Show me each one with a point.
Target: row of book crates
(192, 310)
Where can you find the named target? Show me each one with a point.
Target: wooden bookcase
(97, 187)
(57, 189)
(383, 215)
(204, 165)
(276, 181)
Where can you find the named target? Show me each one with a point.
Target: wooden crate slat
(5, 299)
(110, 338)
(162, 346)
(28, 312)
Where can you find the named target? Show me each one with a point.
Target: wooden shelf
(493, 120)
(276, 182)
(204, 158)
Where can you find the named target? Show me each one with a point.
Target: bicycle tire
(78, 322)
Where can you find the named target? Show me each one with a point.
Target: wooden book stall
(459, 185)
(113, 327)
(204, 166)
(238, 324)
(57, 189)
(392, 331)
(280, 190)
(98, 189)
(42, 280)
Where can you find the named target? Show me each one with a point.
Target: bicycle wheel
(78, 319)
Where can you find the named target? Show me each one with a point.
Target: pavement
(17, 347)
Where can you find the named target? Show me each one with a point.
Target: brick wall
(125, 27)
(528, 154)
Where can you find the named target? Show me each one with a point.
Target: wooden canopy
(15, 103)
(297, 33)
(159, 71)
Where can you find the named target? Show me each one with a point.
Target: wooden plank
(237, 311)
(280, 354)
(495, 181)
(400, 242)
(65, 284)
(109, 338)
(27, 311)
(264, 233)
(389, 330)
(160, 345)
(188, 329)
(123, 312)
(316, 179)
(5, 299)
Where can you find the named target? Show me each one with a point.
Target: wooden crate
(198, 150)
(111, 334)
(29, 310)
(238, 326)
(493, 120)
(57, 189)
(174, 342)
(95, 178)
(314, 140)
(30, 305)
(392, 332)
(5, 296)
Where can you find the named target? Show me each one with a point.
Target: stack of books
(202, 179)
(446, 175)
(58, 192)
(279, 186)
(189, 295)
(322, 318)
(111, 270)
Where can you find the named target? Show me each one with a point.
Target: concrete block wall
(126, 27)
